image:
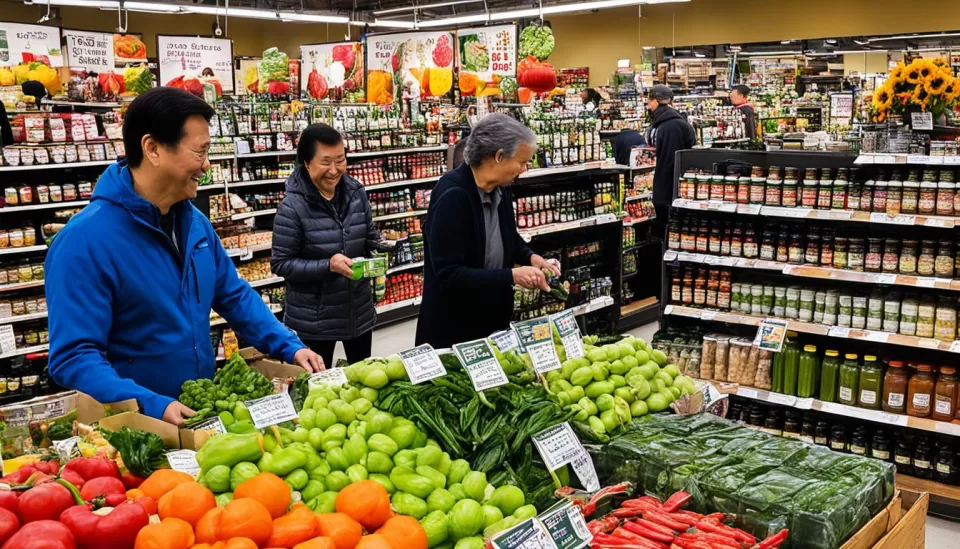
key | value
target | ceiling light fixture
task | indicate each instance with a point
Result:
(386, 24)
(843, 52)
(426, 6)
(913, 37)
(479, 18)
(514, 14)
(103, 4)
(154, 7)
(769, 53)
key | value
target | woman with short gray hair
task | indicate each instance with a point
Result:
(473, 254)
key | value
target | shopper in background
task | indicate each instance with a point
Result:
(739, 97)
(624, 142)
(669, 133)
(132, 278)
(471, 242)
(322, 223)
(591, 99)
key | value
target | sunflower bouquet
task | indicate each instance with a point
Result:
(927, 84)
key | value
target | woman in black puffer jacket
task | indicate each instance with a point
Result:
(322, 223)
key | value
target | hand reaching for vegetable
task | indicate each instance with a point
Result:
(176, 413)
(309, 360)
(551, 265)
(340, 264)
(530, 278)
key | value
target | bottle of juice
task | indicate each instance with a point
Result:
(871, 384)
(807, 374)
(829, 375)
(791, 364)
(777, 373)
(849, 380)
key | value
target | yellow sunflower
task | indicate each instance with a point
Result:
(883, 98)
(912, 73)
(940, 62)
(920, 97)
(926, 69)
(881, 116)
(937, 83)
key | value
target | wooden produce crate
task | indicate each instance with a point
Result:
(900, 525)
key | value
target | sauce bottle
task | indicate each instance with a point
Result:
(945, 394)
(895, 388)
(829, 374)
(920, 392)
(871, 384)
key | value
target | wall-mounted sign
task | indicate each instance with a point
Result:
(413, 64)
(194, 57)
(28, 43)
(129, 47)
(484, 55)
(89, 51)
(330, 71)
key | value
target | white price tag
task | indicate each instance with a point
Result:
(333, 377)
(668, 310)
(880, 217)
(564, 521)
(928, 343)
(536, 337)
(670, 255)
(939, 222)
(711, 259)
(529, 534)
(893, 419)
(804, 403)
(783, 400)
(886, 278)
(686, 256)
(952, 160)
(955, 346)
(727, 261)
(184, 461)
(8, 342)
(838, 331)
(585, 471)
(422, 364)
(505, 340)
(917, 158)
(481, 364)
(247, 255)
(214, 424)
(864, 159)
(935, 160)
(834, 214)
(926, 282)
(558, 446)
(944, 427)
(566, 324)
(708, 315)
(749, 209)
(876, 337)
(66, 448)
(747, 393)
(271, 410)
(921, 121)
(588, 222)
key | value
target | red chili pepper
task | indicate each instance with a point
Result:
(714, 526)
(689, 514)
(719, 517)
(607, 539)
(640, 504)
(595, 527)
(665, 520)
(657, 527)
(676, 501)
(627, 512)
(774, 540)
(656, 535)
(685, 519)
(691, 544)
(637, 539)
(716, 540)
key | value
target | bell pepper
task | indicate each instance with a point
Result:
(241, 427)
(116, 528)
(102, 486)
(72, 477)
(93, 467)
(19, 476)
(42, 534)
(47, 501)
(131, 480)
(9, 500)
(230, 449)
(48, 466)
(282, 461)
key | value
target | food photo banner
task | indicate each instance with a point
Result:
(185, 59)
(28, 43)
(90, 51)
(409, 64)
(129, 48)
(484, 56)
(331, 71)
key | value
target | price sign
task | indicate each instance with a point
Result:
(708, 315)
(570, 335)
(711, 259)
(770, 334)
(66, 448)
(505, 340)
(422, 364)
(877, 337)
(886, 278)
(749, 209)
(926, 282)
(955, 346)
(784, 400)
(184, 461)
(564, 522)
(537, 338)
(804, 403)
(880, 217)
(938, 222)
(668, 310)
(893, 419)
(747, 393)
(922, 120)
(8, 342)
(271, 410)
(928, 343)
(333, 377)
(917, 158)
(529, 534)
(670, 255)
(214, 424)
(952, 160)
(838, 331)
(481, 364)
(558, 446)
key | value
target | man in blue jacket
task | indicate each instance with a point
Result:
(132, 278)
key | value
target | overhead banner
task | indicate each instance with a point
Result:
(89, 51)
(193, 57)
(27, 43)
(409, 64)
(330, 71)
(484, 56)
(129, 48)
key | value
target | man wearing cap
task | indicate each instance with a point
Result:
(669, 133)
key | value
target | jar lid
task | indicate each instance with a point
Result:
(810, 348)
(928, 184)
(832, 353)
(850, 356)
(949, 370)
(869, 358)
(924, 367)
(896, 364)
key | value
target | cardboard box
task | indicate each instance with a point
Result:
(89, 411)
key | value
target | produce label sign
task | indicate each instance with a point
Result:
(331, 377)
(90, 51)
(484, 55)
(559, 446)
(184, 461)
(566, 324)
(129, 47)
(189, 58)
(271, 410)
(27, 43)
(536, 337)
(566, 526)
(481, 364)
(505, 340)
(413, 65)
(422, 364)
(330, 71)
(770, 334)
(214, 424)
(529, 534)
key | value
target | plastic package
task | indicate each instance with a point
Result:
(764, 375)
(720, 364)
(707, 358)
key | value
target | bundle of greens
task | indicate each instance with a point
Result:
(536, 40)
(274, 67)
(235, 382)
(142, 452)
(492, 430)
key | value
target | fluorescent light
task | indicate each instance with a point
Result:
(946, 48)
(104, 4)
(514, 14)
(313, 17)
(449, 21)
(266, 14)
(387, 24)
(843, 52)
(770, 53)
(699, 55)
(426, 6)
(153, 7)
(913, 37)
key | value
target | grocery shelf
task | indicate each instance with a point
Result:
(216, 157)
(405, 267)
(594, 304)
(21, 286)
(265, 154)
(400, 215)
(939, 492)
(638, 197)
(94, 105)
(399, 305)
(47, 206)
(368, 154)
(529, 234)
(266, 281)
(812, 271)
(404, 183)
(240, 252)
(211, 187)
(940, 221)
(256, 213)
(63, 166)
(255, 183)
(638, 306)
(922, 159)
(23, 318)
(23, 249)
(26, 351)
(816, 329)
(540, 172)
(219, 320)
(638, 221)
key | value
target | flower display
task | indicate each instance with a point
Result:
(927, 84)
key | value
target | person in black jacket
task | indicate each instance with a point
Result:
(322, 223)
(471, 244)
(624, 143)
(669, 133)
(6, 132)
(740, 98)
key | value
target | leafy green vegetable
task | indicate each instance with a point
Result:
(537, 41)
(274, 67)
(142, 452)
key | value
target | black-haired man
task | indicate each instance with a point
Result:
(132, 278)
(669, 133)
(739, 96)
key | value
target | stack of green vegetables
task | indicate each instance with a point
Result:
(224, 395)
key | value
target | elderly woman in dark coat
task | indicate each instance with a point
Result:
(473, 254)
(322, 223)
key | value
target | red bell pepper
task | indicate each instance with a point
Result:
(9, 500)
(42, 534)
(117, 529)
(131, 481)
(19, 476)
(93, 467)
(9, 524)
(72, 477)
(48, 466)
(102, 486)
(676, 501)
(47, 501)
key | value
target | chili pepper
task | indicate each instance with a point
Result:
(716, 540)
(643, 501)
(688, 514)
(665, 520)
(603, 525)
(118, 529)
(636, 538)
(774, 540)
(685, 519)
(590, 507)
(719, 517)
(713, 526)
(626, 512)
(676, 501)
(607, 539)
(654, 534)
(93, 467)
(657, 527)
(692, 544)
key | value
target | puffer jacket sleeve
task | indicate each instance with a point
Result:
(285, 258)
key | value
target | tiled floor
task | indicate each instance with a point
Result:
(941, 534)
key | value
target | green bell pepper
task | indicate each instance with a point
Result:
(229, 449)
(241, 472)
(218, 479)
(282, 461)
(297, 479)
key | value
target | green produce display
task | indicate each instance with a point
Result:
(536, 40)
(820, 495)
(231, 385)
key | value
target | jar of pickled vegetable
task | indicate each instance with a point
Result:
(829, 375)
(891, 255)
(859, 442)
(926, 261)
(838, 438)
(880, 196)
(908, 257)
(849, 379)
(880, 447)
(757, 190)
(920, 391)
(703, 187)
(927, 202)
(808, 193)
(926, 317)
(873, 263)
(807, 372)
(945, 322)
(894, 197)
(871, 384)
(717, 184)
(825, 190)
(773, 192)
(945, 394)
(943, 265)
(866, 195)
(789, 196)
(911, 196)
(945, 197)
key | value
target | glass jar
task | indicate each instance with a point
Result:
(808, 193)
(808, 430)
(731, 183)
(926, 261)
(860, 441)
(757, 190)
(791, 424)
(945, 394)
(894, 197)
(926, 318)
(903, 454)
(703, 186)
(788, 197)
(945, 198)
(838, 438)
(795, 250)
(943, 468)
(848, 380)
(825, 190)
(808, 370)
(891, 255)
(944, 263)
(743, 190)
(819, 305)
(927, 203)
(829, 376)
(858, 319)
(812, 253)
(807, 305)
(891, 312)
(910, 197)
(908, 257)
(880, 447)
(870, 384)
(840, 253)
(909, 309)
(945, 321)
(879, 197)
(875, 311)
(716, 186)
(923, 457)
(792, 310)
(866, 195)
(826, 249)
(821, 435)
(920, 391)
(895, 388)
(772, 197)
(839, 194)
(873, 262)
